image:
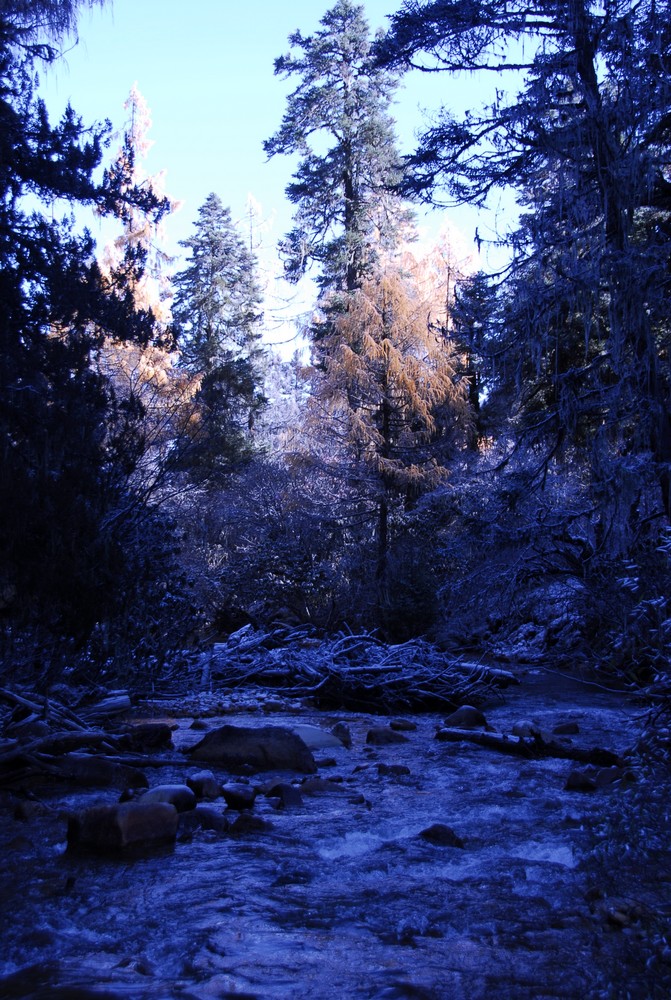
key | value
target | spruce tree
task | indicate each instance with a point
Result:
(217, 326)
(337, 121)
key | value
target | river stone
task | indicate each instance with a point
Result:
(315, 738)
(395, 770)
(285, 794)
(526, 729)
(239, 796)
(127, 824)
(566, 729)
(580, 781)
(209, 818)
(403, 725)
(267, 748)
(342, 731)
(179, 796)
(204, 785)
(442, 835)
(248, 823)
(148, 736)
(381, 736)
(466, 717)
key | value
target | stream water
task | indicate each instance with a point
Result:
(341, 897)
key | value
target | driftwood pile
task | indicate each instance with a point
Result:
(358, 672)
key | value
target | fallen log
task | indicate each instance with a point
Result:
(531, 747)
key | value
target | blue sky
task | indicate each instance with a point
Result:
(206, 72)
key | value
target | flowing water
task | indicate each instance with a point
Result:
(341, 897)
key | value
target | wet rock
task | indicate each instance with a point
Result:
(180, 796)
(204, 785)
(312, 786)
(403, 725)
(607, 775)
(209, 818)
(342, 731)
(147, 736)
(317, 739)
(580, 781)
(441, 835)
(466, 717)
(526, 729)
(395, 770)
(267, 748)
(247, 823)
(381, 736)
(239, 797)
(284, 795)
(127, 824)
(566, 729)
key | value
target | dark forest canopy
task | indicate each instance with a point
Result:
(461, 455)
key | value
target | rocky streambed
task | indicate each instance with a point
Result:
(413, 867)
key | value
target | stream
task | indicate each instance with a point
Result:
(340, 897)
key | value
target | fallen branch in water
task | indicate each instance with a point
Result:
(530, 746)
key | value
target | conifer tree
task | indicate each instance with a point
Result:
(387, 396)
(216, 321)
(337, 121)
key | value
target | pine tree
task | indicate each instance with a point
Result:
(216, 321)
(337, 121)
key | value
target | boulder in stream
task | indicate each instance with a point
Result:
(381, 736)
(467, 717)
(179, 796)
(268, 748)
(125, 825)
(441, 835)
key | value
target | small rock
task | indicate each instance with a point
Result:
(179, 796)
(210, 819)
(383, 736)
(607, 775)
(566, 729)
(466, 717)
(403, 725)
(239, 797)
(342, 731)
(311, 786)
(317, 739)
(442, 835)
(204, 785)
(286, 794)
(128, 824)
(248, 823)
(580, 781)
(396, 770)
(526, 729)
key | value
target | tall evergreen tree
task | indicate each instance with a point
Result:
(337, 121)
(216, 316)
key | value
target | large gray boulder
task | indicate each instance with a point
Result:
(268, 748)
